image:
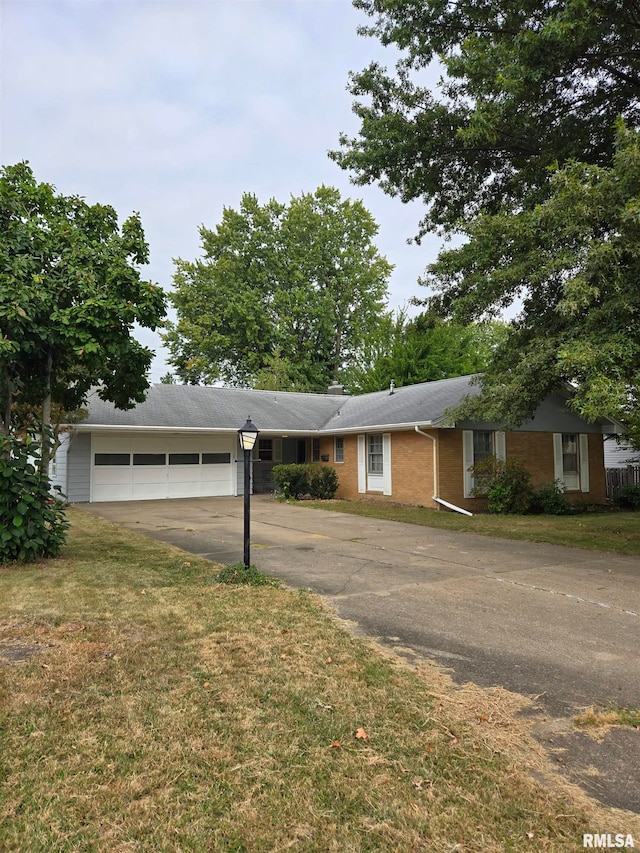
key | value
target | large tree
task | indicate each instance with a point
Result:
(574, 259)
(527, 89)
(70, 294)
(421, 349)
(283, 296)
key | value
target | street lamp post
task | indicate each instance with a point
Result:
(247, 436)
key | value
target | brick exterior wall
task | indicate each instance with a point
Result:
(412, 467)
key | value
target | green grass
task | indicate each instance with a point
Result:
(617, 532)
(596, 718)
(144, 707)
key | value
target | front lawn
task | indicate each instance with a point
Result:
(145, 708)
(614, 531)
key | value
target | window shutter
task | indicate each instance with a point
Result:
(467, 461)
(386, 463)
(362, 465)
(501, 446)
(584, 462)
(277, 450)
(558, 470)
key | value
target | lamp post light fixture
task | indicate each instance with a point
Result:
(247, 435)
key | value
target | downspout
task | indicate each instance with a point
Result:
(435, 460)
(435, 476)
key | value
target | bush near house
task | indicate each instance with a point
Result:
(32, 520)
(508, 489)
(506, 485)
(296, 481)
(628, 497)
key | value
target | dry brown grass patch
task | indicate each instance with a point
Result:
(164, 712)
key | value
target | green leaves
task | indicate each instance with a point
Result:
(70, 291)
(574, 260)
(284, 295)
(32, 521)
(522, 148)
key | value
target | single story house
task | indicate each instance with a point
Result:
(393, 445)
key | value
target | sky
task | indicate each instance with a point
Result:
(175, 108)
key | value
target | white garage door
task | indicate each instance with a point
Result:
(149, 467)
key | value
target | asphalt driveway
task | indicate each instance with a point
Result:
(558, 625)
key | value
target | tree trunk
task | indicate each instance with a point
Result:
(45, 439)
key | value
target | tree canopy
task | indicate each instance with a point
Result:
(420, 349)
(283, 296)
(536, 104)
(70, 294)
(574, 260)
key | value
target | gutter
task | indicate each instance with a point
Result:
(435, 476)
(435, 459)
(453, 506)
(85, 427)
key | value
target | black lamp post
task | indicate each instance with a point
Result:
(247, 436)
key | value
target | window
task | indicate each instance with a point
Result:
(112, 459)
(268, 450)
(338, 449)
(482, 445)
(374, 463)
(315, 450)
(149, 459)
(216, 458)
(374, 454)
(571, 460)
(478, 445)
(569, 453)
(184, 459)
(265, 449)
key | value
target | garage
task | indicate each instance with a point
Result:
(147, 467)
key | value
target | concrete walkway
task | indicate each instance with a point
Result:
(559, 625)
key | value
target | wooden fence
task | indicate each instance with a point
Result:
(616, 478)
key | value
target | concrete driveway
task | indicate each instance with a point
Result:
(558, 625)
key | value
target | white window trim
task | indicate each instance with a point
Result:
(382, 482)
(362, 464)
(583, 461)
(468, 458)
(335, 449)
(386, 463)
(276, 450)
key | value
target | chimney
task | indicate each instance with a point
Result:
(336, 389)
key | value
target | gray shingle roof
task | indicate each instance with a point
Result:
(412, 404)
(205, 407)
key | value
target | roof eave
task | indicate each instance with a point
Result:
(377, 428)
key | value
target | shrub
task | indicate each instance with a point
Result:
(628, 497)
(292, 481)
(506, 485)
(323, 482)
(296, 481)
(550, 499)
(32, 520)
